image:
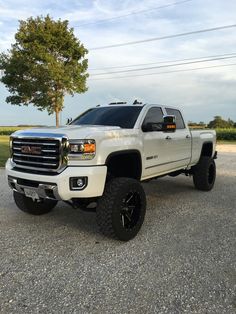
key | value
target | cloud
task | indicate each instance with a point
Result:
(202, 94)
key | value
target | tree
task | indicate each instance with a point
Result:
(231, 123)
(45, 63)
(218, 122)
(201, 123)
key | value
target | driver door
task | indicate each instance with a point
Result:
(155, 154)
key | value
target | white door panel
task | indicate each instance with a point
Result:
(155, 157)
(179, 147)
(162, 154)
(165, 151)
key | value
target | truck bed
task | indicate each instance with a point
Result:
(198, 138)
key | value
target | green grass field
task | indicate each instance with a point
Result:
(226, 134)
(4, 150)
(7, 130)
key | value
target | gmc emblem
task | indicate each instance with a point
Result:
(32, 150)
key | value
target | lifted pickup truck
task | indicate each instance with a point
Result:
(102, 157)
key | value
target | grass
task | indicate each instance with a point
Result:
(4, 150)
(7, 130)
(220, 142)
(226, 134)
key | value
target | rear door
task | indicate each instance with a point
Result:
(179, 142)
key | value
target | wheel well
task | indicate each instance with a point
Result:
(207, 149)
(124, 164)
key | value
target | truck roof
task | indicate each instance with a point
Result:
(139, 104)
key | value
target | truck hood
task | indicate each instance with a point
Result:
(71, 131)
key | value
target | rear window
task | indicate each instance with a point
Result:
(179, 119)
(124, 117)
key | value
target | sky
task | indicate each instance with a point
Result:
(200, 93)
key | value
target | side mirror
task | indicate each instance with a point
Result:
(152, 127)
(169, 124)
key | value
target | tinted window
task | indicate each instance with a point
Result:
(154, 115)
(124, 117)
(179, 119)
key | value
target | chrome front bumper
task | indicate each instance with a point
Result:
(43, 190)
(58, 186)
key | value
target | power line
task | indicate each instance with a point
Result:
(160, 62)
(132, 13)
(165, 37)
(160, 73)
(163, 66)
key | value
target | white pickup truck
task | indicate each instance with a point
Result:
(101, 158)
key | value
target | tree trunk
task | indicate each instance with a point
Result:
(57, 112)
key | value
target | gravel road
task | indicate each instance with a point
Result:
(182, 261)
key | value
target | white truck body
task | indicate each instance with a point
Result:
(160, 152)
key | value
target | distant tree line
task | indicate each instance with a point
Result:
(217, 123)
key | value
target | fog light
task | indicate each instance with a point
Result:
(78, 183)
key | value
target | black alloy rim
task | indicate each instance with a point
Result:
(131, 210)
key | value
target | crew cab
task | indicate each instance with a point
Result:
(100, 159)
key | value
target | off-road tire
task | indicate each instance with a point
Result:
(33, 207)
(111, 218)
(204, 174)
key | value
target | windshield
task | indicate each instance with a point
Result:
(124, 117)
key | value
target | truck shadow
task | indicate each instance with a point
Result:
(165, 196)
(169, 186)
(158, 191)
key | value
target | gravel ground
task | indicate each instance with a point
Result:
(226, 148)
(182, 261)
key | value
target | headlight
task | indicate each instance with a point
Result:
(82, 149)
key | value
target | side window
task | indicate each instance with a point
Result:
(179, 119)
(154, 115)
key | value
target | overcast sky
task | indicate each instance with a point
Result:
(200, 93)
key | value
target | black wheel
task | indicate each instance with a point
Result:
(121, 209)
(204, 174)
(34, 207)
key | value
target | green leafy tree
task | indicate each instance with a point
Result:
(218, 122)
(231, 123)
(201, 123)
(45, 63)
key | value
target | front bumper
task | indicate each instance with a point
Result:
(58, 186)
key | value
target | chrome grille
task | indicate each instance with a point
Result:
(43, 154)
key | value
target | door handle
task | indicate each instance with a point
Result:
(168, 138)
(188, 136)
